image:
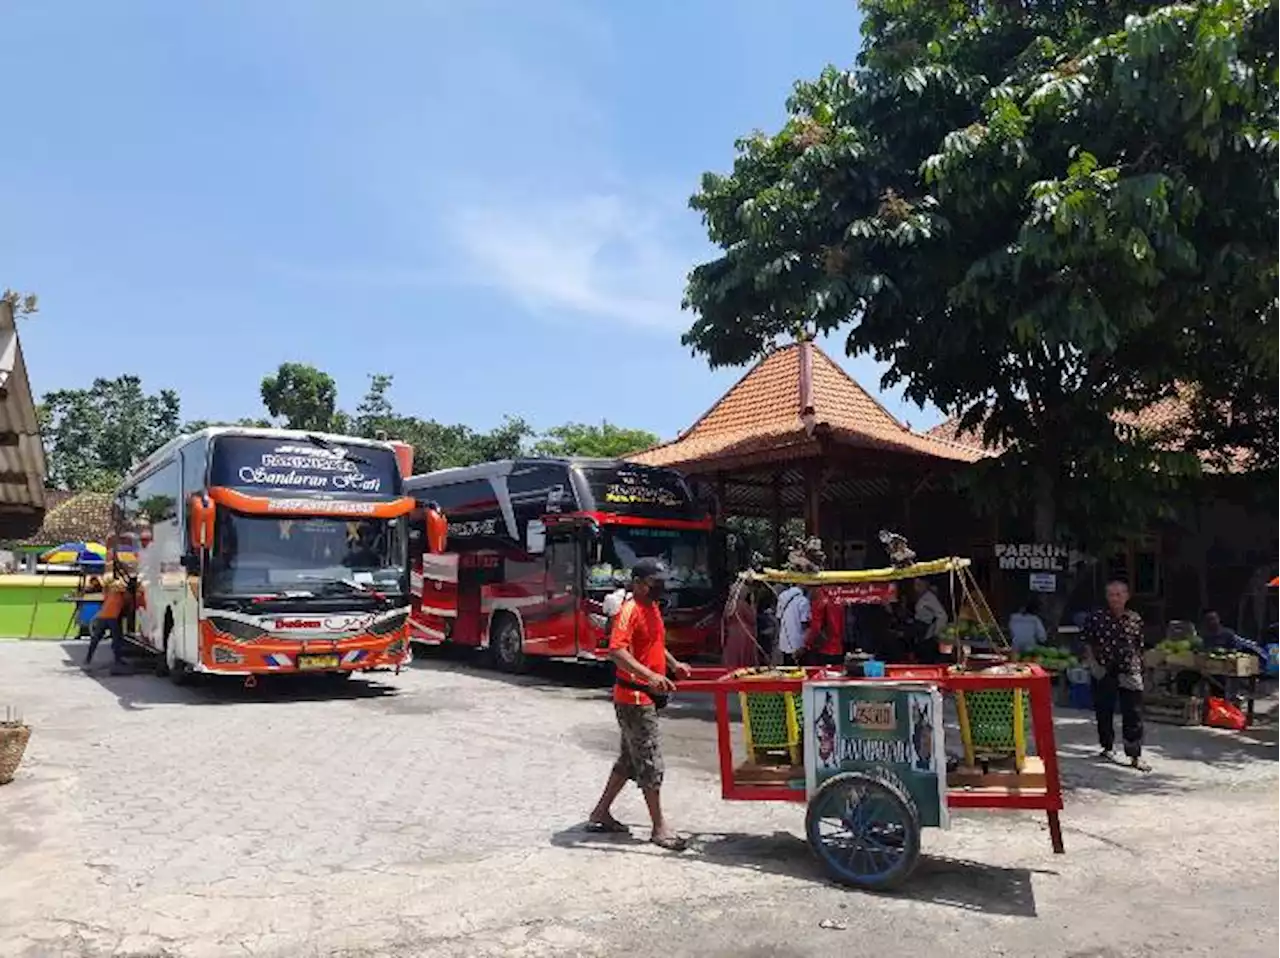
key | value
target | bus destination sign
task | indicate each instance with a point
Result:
(640, 491)
(264, 464)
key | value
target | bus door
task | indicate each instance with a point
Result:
(563, 554)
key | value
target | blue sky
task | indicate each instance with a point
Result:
(485, 199)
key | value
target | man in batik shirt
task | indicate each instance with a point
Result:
(1113, 645)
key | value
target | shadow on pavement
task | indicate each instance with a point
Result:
(139, 687)
(946, 882)
(543, 674)
(1082, 769)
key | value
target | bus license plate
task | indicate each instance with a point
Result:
(307, 662)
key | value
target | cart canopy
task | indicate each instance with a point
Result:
(892, 574)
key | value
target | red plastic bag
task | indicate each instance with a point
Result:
(1222, 714)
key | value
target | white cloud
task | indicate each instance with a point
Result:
(598, 257)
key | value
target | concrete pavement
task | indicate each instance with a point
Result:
(437, 813)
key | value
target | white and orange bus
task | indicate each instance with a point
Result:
(269, 551)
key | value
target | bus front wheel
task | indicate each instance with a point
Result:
(179, 671)
(506, 645)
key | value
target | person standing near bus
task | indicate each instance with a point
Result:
(109, 619)
(638, 650)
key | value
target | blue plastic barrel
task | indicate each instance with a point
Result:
(1273, 652)
(86, 612)
(1080, 695)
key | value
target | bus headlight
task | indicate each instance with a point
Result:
(225, 656)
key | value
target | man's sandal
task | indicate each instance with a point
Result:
(672, 843)
(610, 827)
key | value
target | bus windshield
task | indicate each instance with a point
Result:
(685, 553)
(322, 556)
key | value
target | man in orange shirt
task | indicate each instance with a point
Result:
(109, 618)
(638, 650)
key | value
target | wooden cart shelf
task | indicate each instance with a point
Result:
(966, 787)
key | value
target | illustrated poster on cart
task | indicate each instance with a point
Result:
(868, 726)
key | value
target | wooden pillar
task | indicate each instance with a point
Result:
(813, 482)
(722, 489)
(777, 518)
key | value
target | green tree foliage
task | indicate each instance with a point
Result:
(94, 436)
(435, 445)
(249, 422)
(22, 304)
(302, 396)
(605, 441)
(1044, 217)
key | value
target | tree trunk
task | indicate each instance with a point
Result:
(1044, 526)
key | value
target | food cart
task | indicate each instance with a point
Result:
(867, 755)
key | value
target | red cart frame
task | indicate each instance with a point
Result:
(1035, 681)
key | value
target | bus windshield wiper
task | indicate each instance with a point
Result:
(327, 584)
(324, 443)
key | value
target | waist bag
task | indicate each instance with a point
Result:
(660, 699)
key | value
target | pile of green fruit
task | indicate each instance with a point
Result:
(1180, 646)
(1049, 657)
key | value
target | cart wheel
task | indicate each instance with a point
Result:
(865, 829)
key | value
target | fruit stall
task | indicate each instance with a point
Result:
(1188, 684)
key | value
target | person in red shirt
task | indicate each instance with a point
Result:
(638, 650)
(824, 642)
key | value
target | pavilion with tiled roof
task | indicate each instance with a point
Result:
(797, 436)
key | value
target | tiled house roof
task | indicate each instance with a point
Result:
(1168, 417)
(762, 416)
(72, 517)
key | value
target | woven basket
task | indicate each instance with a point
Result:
(13, 742)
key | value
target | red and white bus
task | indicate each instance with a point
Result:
(535, 546)
(267, 550)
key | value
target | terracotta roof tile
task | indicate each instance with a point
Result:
(760, 417)
(1169, 416)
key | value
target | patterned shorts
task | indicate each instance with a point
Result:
(640, 755)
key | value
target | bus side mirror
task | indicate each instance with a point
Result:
(199, 523)
(437, 530)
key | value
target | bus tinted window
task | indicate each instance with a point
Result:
(262, 464)
(640, 491)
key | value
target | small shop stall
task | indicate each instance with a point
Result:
(863, 747)
(1189, 685)
(89, 561)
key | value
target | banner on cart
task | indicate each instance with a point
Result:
(896, 727)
